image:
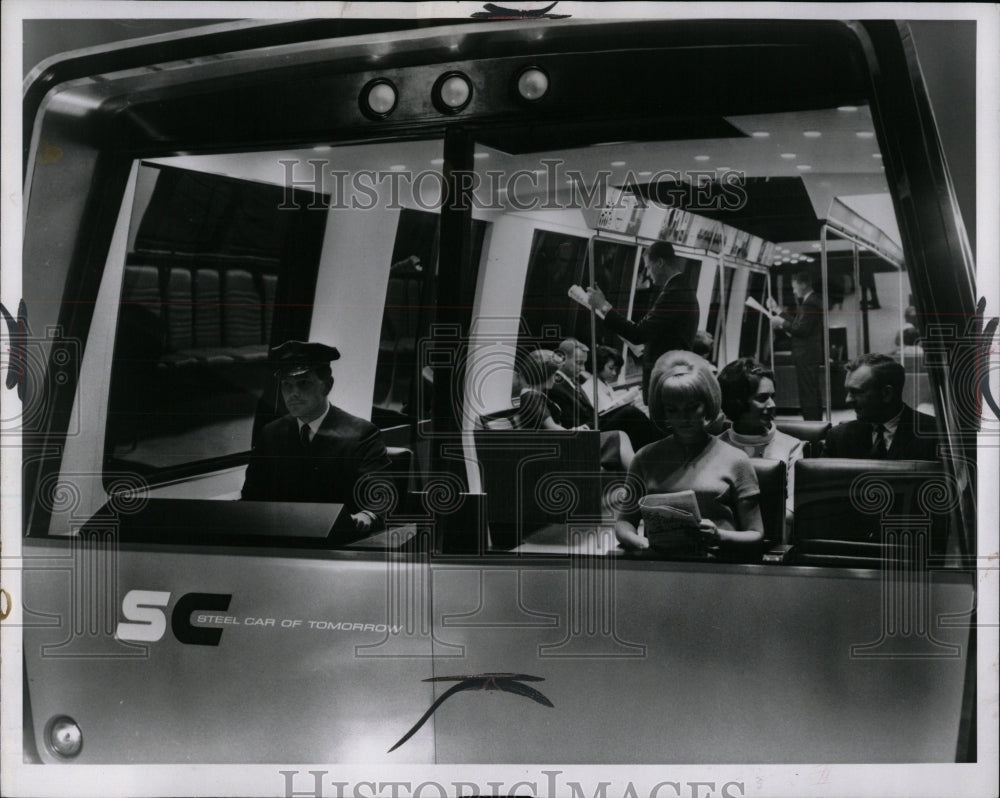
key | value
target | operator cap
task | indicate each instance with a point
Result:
(297, 357)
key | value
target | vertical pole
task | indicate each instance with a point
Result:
(720, 339)
(902, 318)
(859, 328)
(770, 327)
(865, 333)
(636, 263)
(593, 335)
(825, 272)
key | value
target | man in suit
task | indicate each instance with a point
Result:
(318, 452)
(805, 327)
(886, 428)
(575, 406)
(669, 324)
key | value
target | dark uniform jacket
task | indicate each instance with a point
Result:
(854, 438)
(670, 324)
(343, 449)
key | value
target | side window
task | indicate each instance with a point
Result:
(754, 336)
(404, 381)
(399, 394)
(720, 300)
(614, 272)
(556, 262)
(206, 289)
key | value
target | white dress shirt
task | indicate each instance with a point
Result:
(313, 425)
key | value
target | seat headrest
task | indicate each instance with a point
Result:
(805, 430)
(767, 469)
(820, 469)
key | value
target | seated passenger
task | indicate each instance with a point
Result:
(575, 402)
(609, 365)
(537, 371)
(704, 343)
(748, 401)
(574, 409)
(886, 428)
(516, 386)
(318, 452)
(684, 394)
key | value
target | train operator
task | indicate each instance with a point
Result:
(318, 452)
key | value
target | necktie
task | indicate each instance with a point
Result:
(305, 435)
(878, 447)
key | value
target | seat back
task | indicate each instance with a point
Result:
(533, 479)
(269, 288)
(242, 323)
(866, 513)
(771, 479)
(141, 286)
(207, 314)
(400, 470)
(179, 309)
(812, 432)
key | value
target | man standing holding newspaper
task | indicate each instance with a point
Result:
(669, 324)
(805, 327)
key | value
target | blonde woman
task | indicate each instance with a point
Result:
(684, 396)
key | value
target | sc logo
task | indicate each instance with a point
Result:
(149, 622)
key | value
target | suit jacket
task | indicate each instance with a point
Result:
(670, 324)
(805, 327)
(854, 439)
(574, 409)
(344, 449)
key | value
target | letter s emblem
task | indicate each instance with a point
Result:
(149, 623)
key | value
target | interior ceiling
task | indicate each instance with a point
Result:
(791, 164)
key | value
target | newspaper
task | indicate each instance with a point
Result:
(671, 520)
(577, 294)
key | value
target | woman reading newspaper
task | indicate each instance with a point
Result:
(698, 494)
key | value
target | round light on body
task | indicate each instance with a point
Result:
(65, 737)
(532, 84)
(455, 92)
(378, 99)
(382, 98)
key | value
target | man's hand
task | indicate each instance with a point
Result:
(773, 306)
(597, 300)
(363, 521)
(777, 322)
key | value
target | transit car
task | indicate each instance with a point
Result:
(425, 195)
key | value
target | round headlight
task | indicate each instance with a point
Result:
(452, 92)
(532, 84)
(378, 98)
(65, 738)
